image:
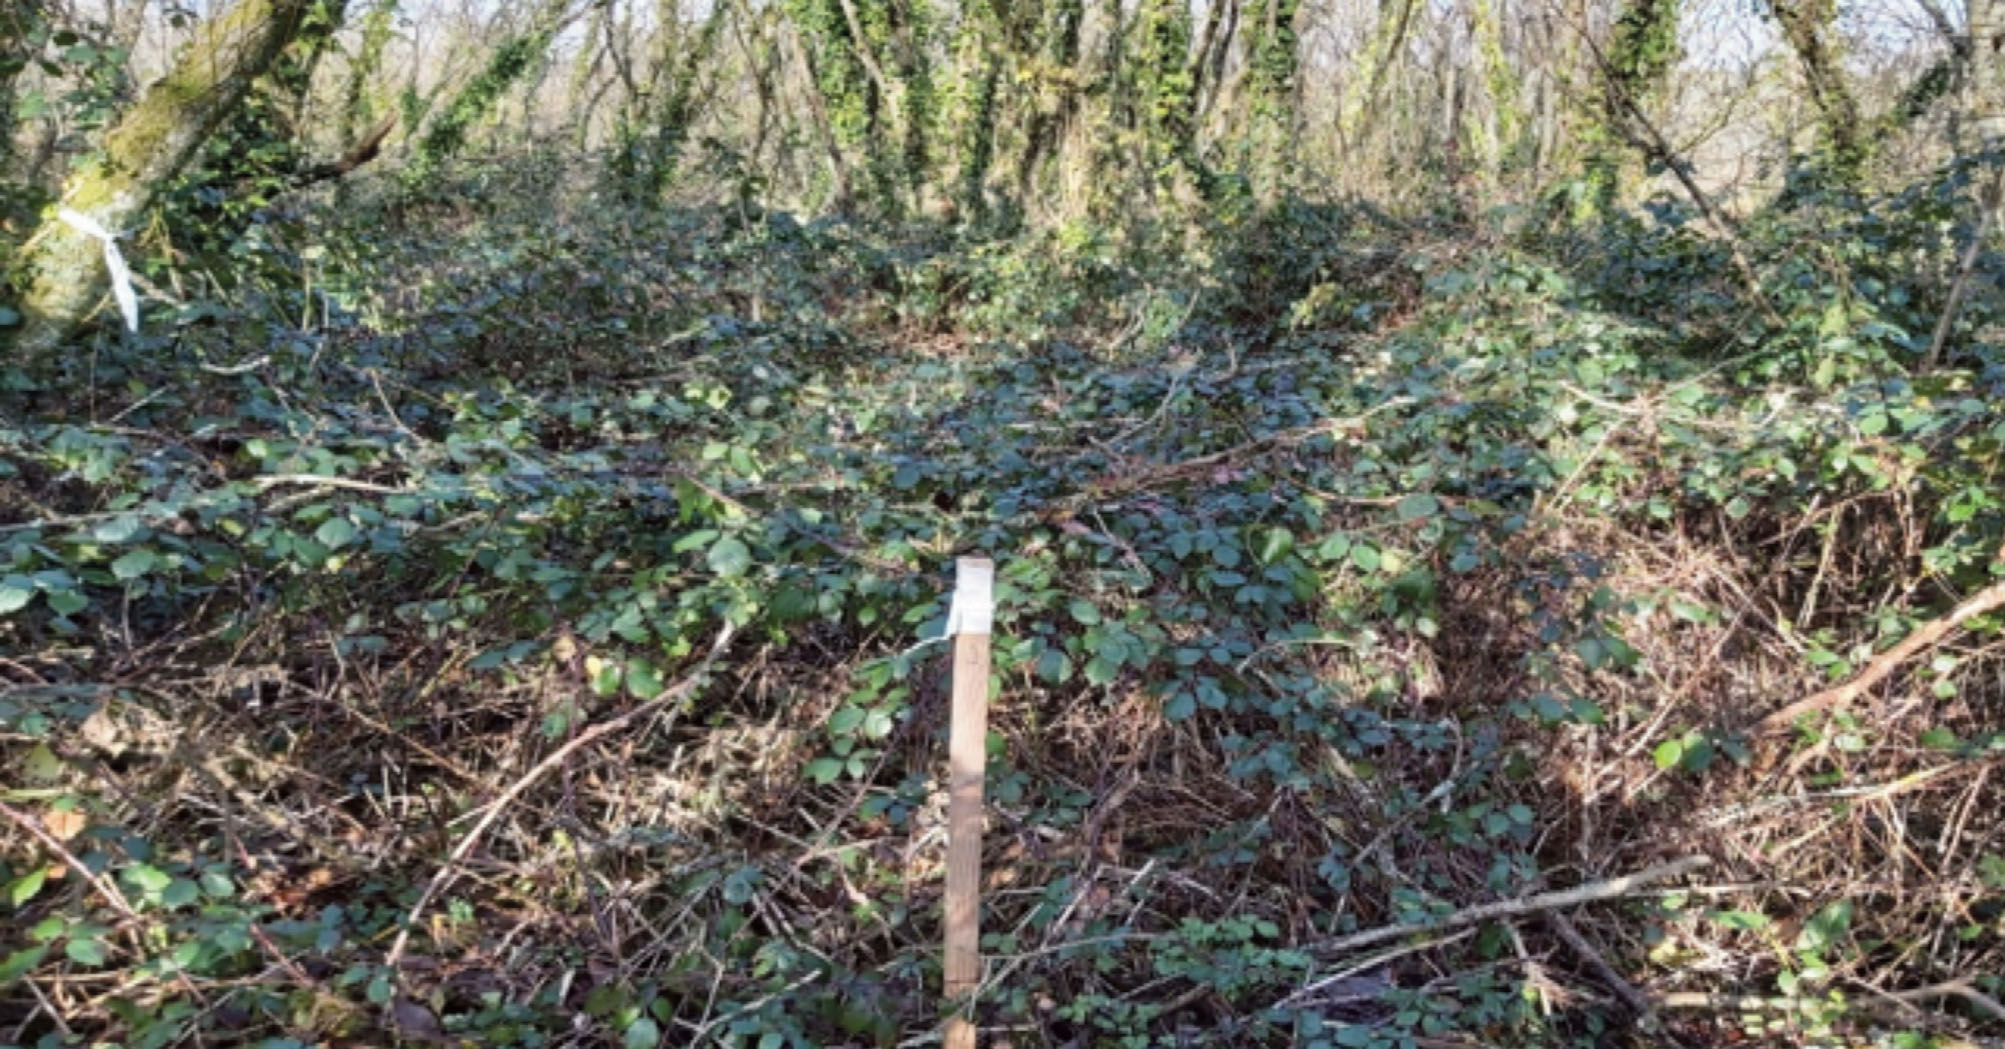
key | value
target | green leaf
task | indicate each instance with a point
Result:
(134, 564)
(85, 951)
(180, 892)
(643, 680)
(335, 533)
(1668, 753)
(118, 529)
(1940, 738)
(1826, 929)
(1085, 612)
(1275, 544)
(729, 557)
(1100, 670)
(1180, 705)
(217, 885)
(42, 765)
(68, 602)
(24, 888)
(21, 963)
(1745, 921)
(15, 593)
(1417, 506)
(1366, 557)
(824, 770)
(845, 719)
(641, 1034)
(146, 878)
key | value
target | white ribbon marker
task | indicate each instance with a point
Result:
(973, 610)
(114, 264)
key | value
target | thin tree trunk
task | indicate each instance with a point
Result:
(149, 146)
(824, 130)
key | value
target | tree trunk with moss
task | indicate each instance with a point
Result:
(62, 268)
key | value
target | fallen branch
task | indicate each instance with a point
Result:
(1638, 1002)
(494, 809)
(1961, 989)
(1926, 636)
(1958, 988)
(1609, 889)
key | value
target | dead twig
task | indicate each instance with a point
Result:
(103, 885)
(1924, 637)
(1608, 889)
(1636, 1000)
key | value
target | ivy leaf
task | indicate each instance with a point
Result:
(845, 719)
(1417, 506)
(642, 1034)
(147, 878)
(1275, 544)
(729, 557)
(335, 533)
(133, 565)
(15, 593)
(68, 602)
(643, 680)
(85, 951)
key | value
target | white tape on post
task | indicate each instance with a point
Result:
(114, 264)
(973, 610)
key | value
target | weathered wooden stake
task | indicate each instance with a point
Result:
(967, 752)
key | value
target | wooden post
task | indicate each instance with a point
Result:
(967, 752)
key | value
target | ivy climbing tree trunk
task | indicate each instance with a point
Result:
(1360, 111)
(18, 22)
(63, 268)
(447, 135)
(1640, 55)
(358, 107)
(1807, 26)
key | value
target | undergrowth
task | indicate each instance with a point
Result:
(1351, 572)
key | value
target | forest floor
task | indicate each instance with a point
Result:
(496, 627)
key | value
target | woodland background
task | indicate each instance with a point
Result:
(1497, 507)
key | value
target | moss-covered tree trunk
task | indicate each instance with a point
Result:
(62, 268)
